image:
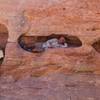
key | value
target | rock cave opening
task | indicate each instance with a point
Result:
(26, 42)
(3, 41)
(96, 45)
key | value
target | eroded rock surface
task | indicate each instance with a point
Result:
(56, 74)
(51, 87)
(42, 18)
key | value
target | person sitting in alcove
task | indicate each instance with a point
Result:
(51, 43)
(55, 43)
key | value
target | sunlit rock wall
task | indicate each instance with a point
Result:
(79, 18)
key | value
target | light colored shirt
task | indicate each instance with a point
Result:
(1, 54)
(53, 43)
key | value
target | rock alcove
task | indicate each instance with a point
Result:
(96, 45)
(29, 41)
(3, 41)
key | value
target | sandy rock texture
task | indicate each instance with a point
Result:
(51, 87)
(80, 18)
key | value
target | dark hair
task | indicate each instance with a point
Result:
(60, 36)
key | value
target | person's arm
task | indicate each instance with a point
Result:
(46, 45)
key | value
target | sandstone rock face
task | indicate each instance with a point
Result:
(80, 18)
(51, 87)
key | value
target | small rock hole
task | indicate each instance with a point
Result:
(96, 45)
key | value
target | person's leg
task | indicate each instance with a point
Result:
(38, 48)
